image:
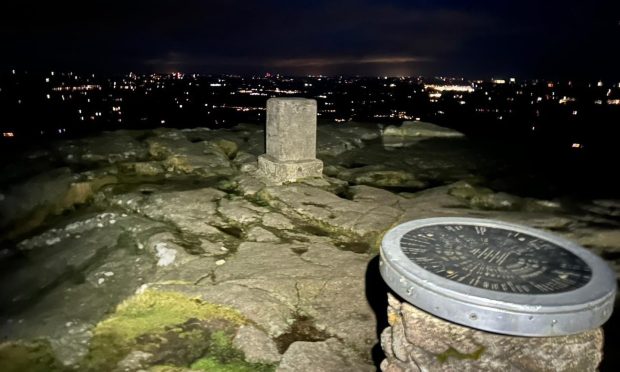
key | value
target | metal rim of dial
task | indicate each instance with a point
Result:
(535, 315)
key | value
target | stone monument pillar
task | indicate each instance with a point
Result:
(290, 140)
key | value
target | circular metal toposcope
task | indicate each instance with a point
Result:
(497, 276)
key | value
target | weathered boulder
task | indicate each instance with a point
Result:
(178, 154)
(144, 168)
(496, 201)
(374, 195)
(44, 189)
(109, 147)
(230, 148)
(333, 141)
(381, 176)
(25, 206)
(484, 198)
(420, 129)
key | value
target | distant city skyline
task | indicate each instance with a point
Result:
(59, 103)
(474, 39)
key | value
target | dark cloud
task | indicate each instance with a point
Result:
(409, 37)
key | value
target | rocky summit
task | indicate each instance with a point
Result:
(164, 250)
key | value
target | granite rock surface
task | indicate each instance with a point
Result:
(161, 241)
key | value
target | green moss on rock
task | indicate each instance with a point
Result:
(484, 198)
(170, 325)
(385, 178)
(264, 199)
(223, 357)
(467, 191)
(227, 185)
(229, 148)
(35, 356)
(153, 310)
(211, 364)
(453, 353)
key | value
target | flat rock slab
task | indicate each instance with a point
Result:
(272, 283)
(360, 218)
(324, 356)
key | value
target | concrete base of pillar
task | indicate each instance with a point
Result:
(289, 171)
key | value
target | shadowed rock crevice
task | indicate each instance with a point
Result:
(302, 329)
(376, 295)
(314, 230)
(232, 231)
(345, 194)
(299, 250)
(355, 247)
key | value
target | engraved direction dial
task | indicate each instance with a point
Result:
(495, 259)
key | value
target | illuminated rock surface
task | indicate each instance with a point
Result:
(420, 129)
(167, 244)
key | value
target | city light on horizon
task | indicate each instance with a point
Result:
(110, 101)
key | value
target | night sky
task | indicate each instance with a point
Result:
(474, 39)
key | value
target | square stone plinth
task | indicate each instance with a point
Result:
(289, 171)
(291, 129)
